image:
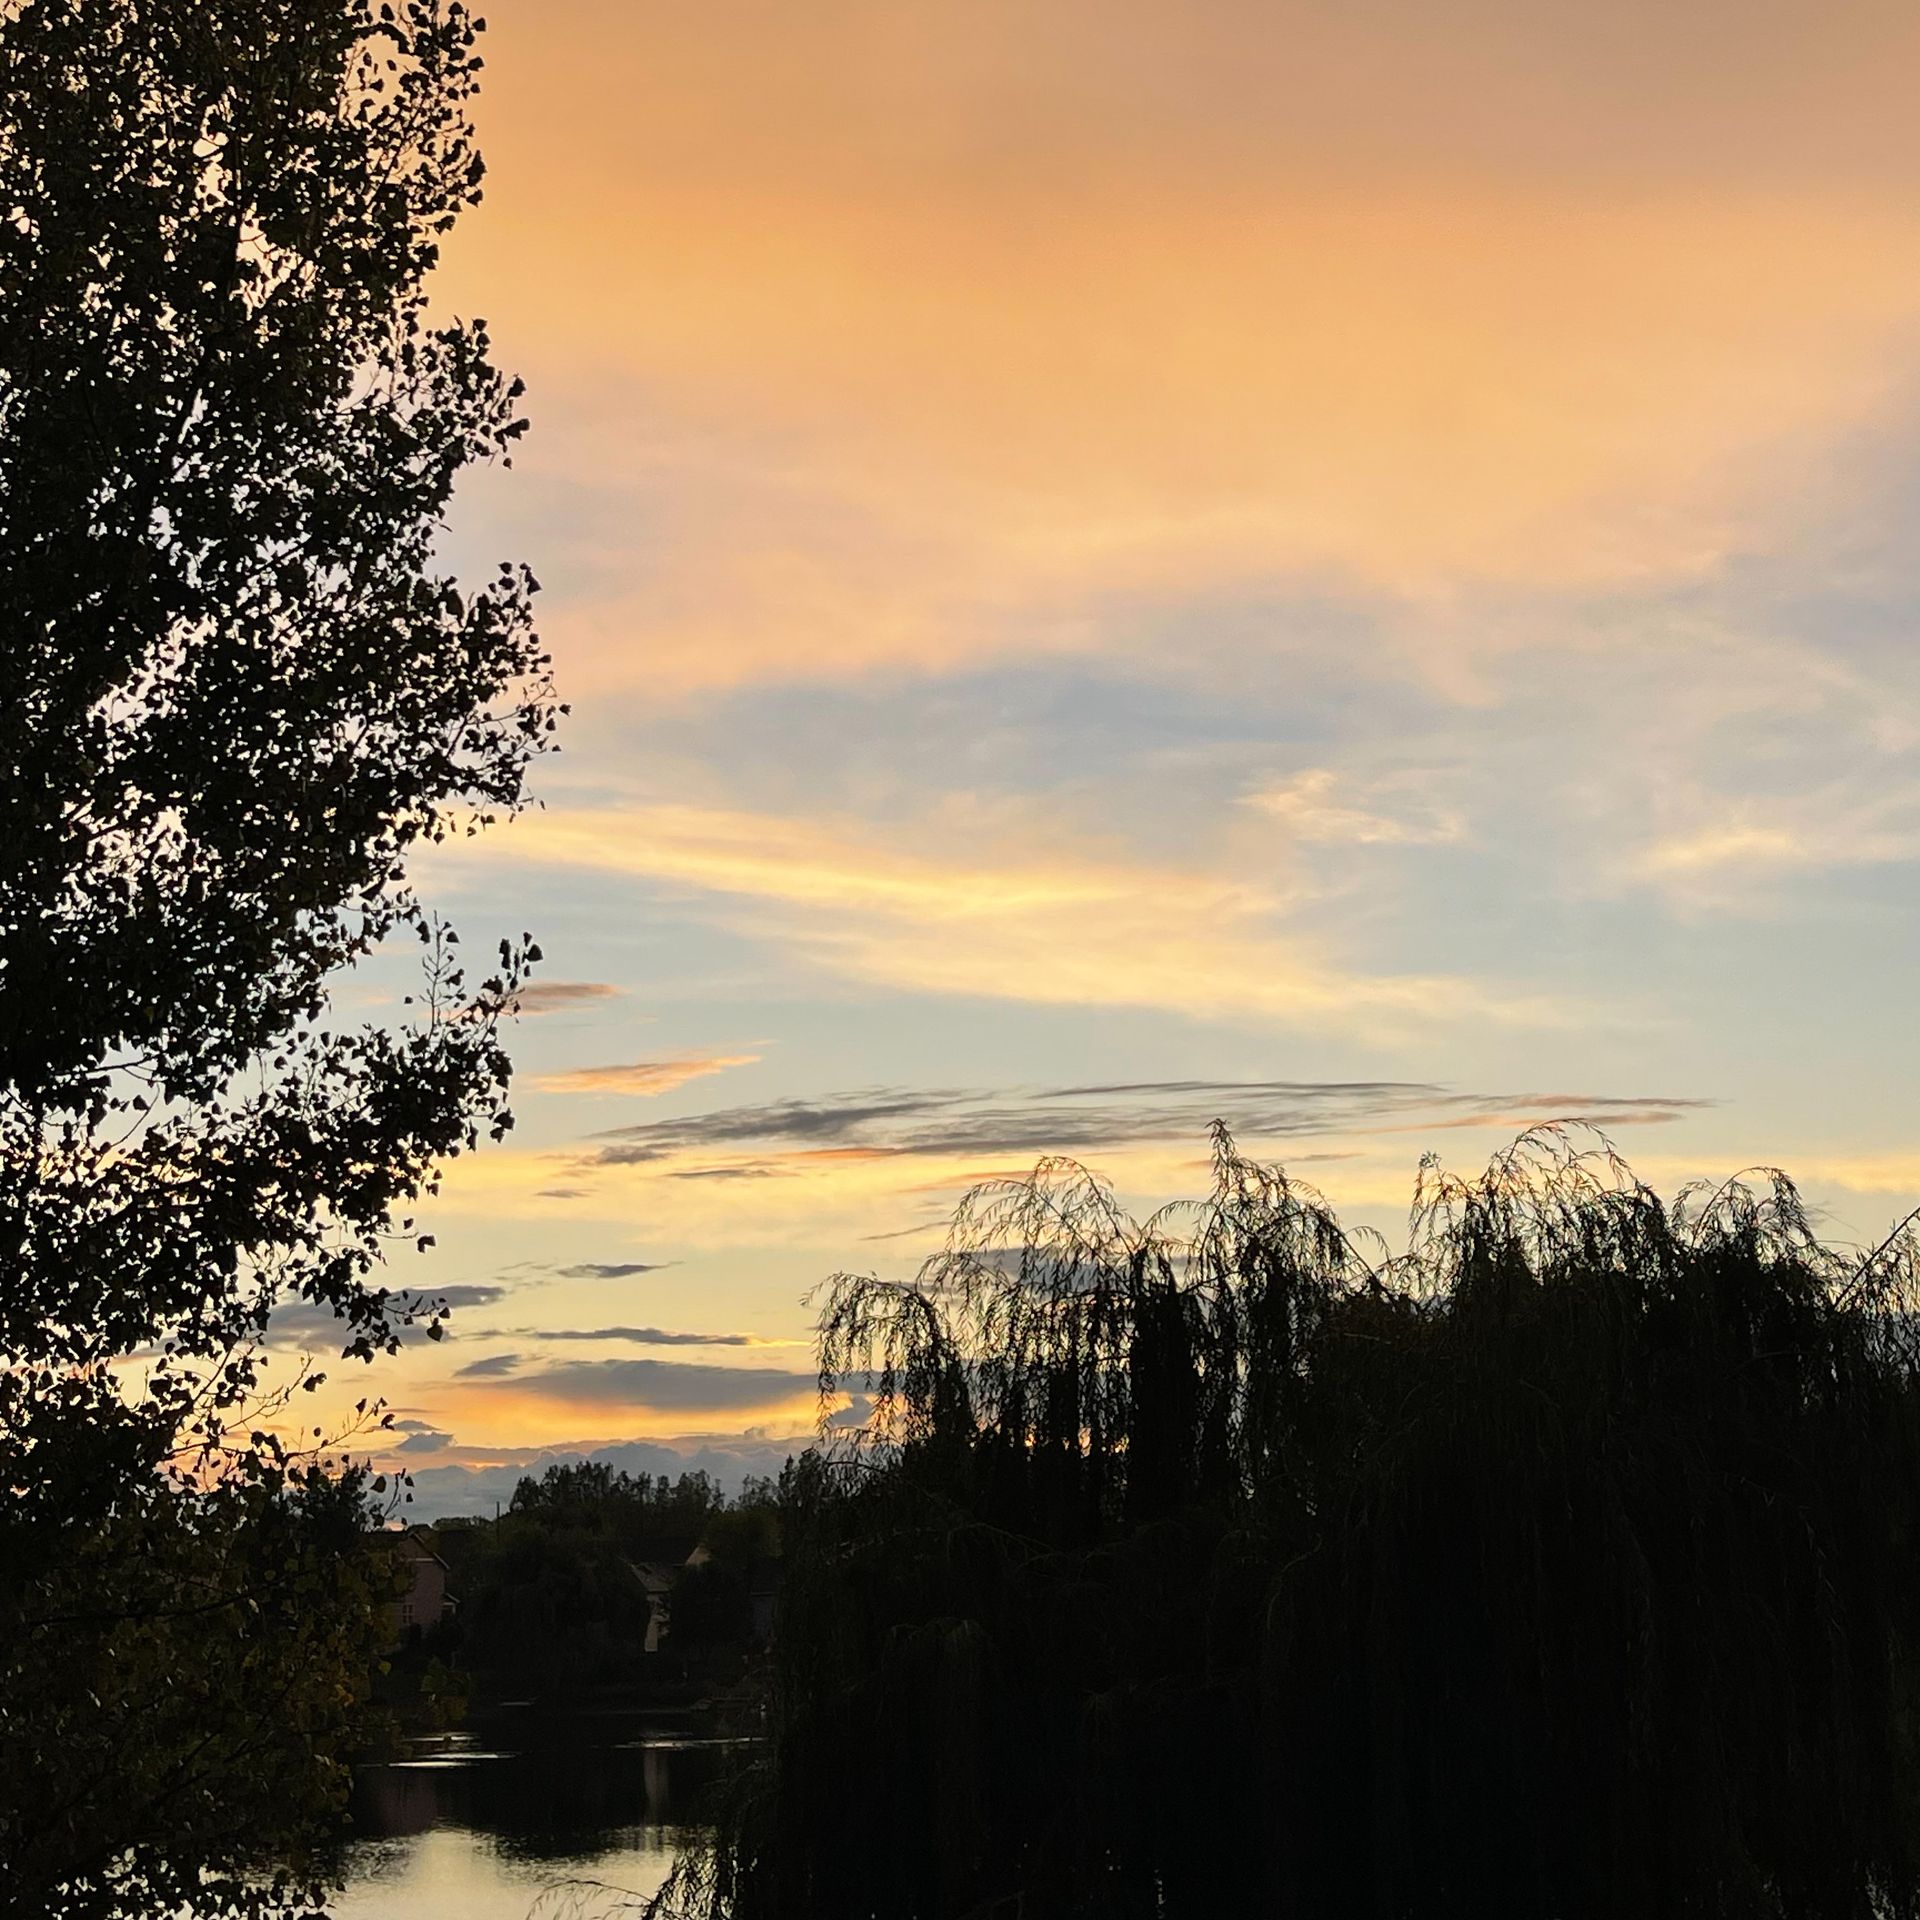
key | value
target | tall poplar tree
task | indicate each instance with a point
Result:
(239, 689)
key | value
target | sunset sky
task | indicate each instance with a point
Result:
(1349, 568)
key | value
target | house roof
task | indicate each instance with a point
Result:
(416, 1542)
(657, 1576)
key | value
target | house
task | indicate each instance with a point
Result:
(656, 1582)
(423, 1601)
(658, 1576)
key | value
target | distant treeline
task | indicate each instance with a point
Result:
(1567, 1565)
(553, 1594)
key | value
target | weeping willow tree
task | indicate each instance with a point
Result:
(1563, 1565)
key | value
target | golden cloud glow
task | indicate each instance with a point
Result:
(1055, 929)
(1727, 846)
(1718, 853)
(643, 1077)
(526, 1416)
(1312, 808)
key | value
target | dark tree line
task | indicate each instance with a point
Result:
(637, 1510)
(1568, 1565)
(239, 691)
(551, 1594)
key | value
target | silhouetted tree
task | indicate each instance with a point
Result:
(238, 691)
(552, 1592)
(1563, 1566)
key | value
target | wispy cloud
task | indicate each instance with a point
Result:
(306, 1324)
(493, 1367)
(1710, 849)
(313, 1325)
(463, 1295)
(1726, 849)
(1316, 807)
(1076, 1119)
(643, 1077)
(1044, 927)
(565, 996)
(655, 1337)
(612, 1269)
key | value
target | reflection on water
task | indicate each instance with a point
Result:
(510, 1815)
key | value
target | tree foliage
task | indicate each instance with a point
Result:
(551, 1593)
(631, 1508)
(1560, 1566)
(240, 691)
(177, 1697)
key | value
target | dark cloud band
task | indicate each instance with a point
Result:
(1082, 1119)
(664, 1386)
(648, 1336)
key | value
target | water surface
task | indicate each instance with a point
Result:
(526, 1813)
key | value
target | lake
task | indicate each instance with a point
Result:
(526, 1813)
